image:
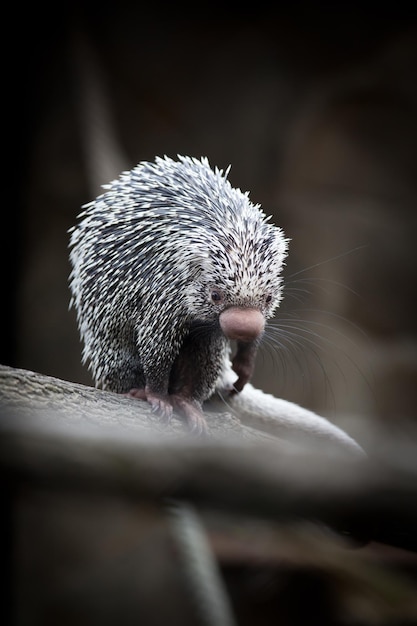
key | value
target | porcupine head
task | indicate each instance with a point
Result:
(169, 265)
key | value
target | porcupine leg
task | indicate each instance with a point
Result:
(182, 398)
(194, 375)
(118, 361)
(126, 376)
(183, 401)
(184, 392)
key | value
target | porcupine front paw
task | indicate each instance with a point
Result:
(163, 406)
(160, 403)
(192, 413)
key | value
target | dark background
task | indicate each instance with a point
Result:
(315, 107)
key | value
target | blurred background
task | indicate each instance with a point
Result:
(315, 108)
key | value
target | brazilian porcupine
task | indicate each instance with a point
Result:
(169, 264)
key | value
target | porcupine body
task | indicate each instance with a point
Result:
(169, 264)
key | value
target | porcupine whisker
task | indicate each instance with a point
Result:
(203, 326)
(281, 326)
(354, 364)
(297, 290)
(316, 280)
(325, 261)
(202, 330)
(269, 346)
(295, 338)
(294, 291)
(337, 316)
(282, 357)
(280, 323)
(299, 343)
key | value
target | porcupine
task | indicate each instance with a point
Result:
(169, 264)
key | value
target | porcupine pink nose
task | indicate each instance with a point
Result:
(242, 324)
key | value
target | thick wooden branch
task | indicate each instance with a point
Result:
(57, 401)
(90, 478)
(63, 433)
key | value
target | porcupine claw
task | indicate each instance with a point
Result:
(139, 394)
(160, 404)
(192, 413)
(163, 406)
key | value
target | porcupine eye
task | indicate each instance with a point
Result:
(216, 296)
